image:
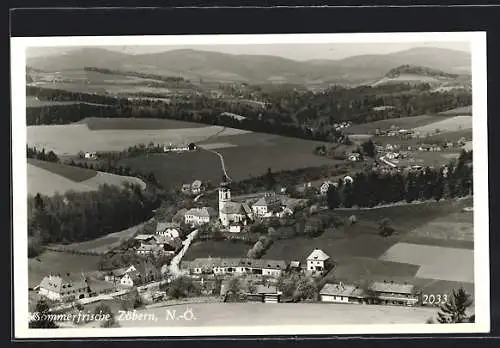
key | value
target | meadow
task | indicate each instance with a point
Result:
(268, 314)
(402, 122)
(103, 123)
(451, 124)
(464, 110)
(32, 102)
(48, 178)
(245, 156)
(52, 262)
(72, 138)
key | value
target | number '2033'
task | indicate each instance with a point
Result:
(434, 299)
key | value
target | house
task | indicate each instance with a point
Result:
(196, 187)
(186, 188)
(391, 155)
(271, 268)
(269, 294)
(393, 293)
(90, 155)
(199, 216)
(235, 228)
(117, 274)
(389, 147)
(143, 273)
(295, 265)
(149, 249)
(353, 156)
(342, 293)
(64, 288)
(168, 229)
(145, 238)
(325, 186)
(317, 262)
(266, 205)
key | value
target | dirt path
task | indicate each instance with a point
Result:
(174, 264)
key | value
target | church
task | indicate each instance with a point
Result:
(232, 212)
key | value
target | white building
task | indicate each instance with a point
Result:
(341, 293)
(63, 288)
(323, 189)
(199, 216)
(317, 262)
(168, 229)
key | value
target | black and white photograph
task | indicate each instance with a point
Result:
(250, 185)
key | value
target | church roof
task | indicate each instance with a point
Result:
(232, 208)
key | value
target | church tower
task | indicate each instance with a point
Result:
(224, 198)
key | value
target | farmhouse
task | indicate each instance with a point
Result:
(90, 155)
(196, 187)
(323, 189)
(199, 216)
(64, 288)
(186, 188)
(149, 249)
(168, 229)
(317, 262)
(393, 293)
(117, 274)
(142, 273)
(353, 157)
(342, 293)
(272, 268)
(144, 238)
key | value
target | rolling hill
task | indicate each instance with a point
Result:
(416, 75)
(215, 66)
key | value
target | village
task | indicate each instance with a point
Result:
(224, 279)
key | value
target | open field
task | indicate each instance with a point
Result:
(48, 178)
(51, 262)
(464, 110)
(435, 262)
(70, 139)
(245, 155)
(268, 314)
(451, 124)
(105, 243)
(69, 172)
(402, 122)
(211, 248)
(456, 226)
(32, 102)
(103, 123)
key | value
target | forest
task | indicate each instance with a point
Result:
(301, 114)
(80, 216)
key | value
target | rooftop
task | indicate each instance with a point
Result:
(318, 255)
(391, 287)
(144, 237)
(163, 226)
(202, 212)
(342, 290)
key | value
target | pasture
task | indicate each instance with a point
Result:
(464, 110)
(450, 124)
(435, 262)
(299, 314)
(212, 248)
(51, 262)
(104, 123)
(245, 156)
(48, 178)
(105, 243)
(72, 138)
(402, 122)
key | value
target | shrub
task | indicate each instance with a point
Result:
(385, 227)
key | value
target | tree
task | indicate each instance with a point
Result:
(270, 179)
(369, 148)
(181, 287)
(41, 318)
(234, 286)
(454, 311)
(332, 197)
(105, 310)
(385, 228)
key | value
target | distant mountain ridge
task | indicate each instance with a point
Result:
(216, 66)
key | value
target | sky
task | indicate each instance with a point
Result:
(290, 51)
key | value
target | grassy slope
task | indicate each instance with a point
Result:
(75, 174)
(403, 122)
(95, 123)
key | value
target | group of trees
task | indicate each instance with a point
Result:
(370, 189)
(33, 152)
(290, 113)
(260, 247)
(79, 216)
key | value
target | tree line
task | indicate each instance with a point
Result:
(304, 115)
(371, 189)
(80, 216)
(33, 152)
